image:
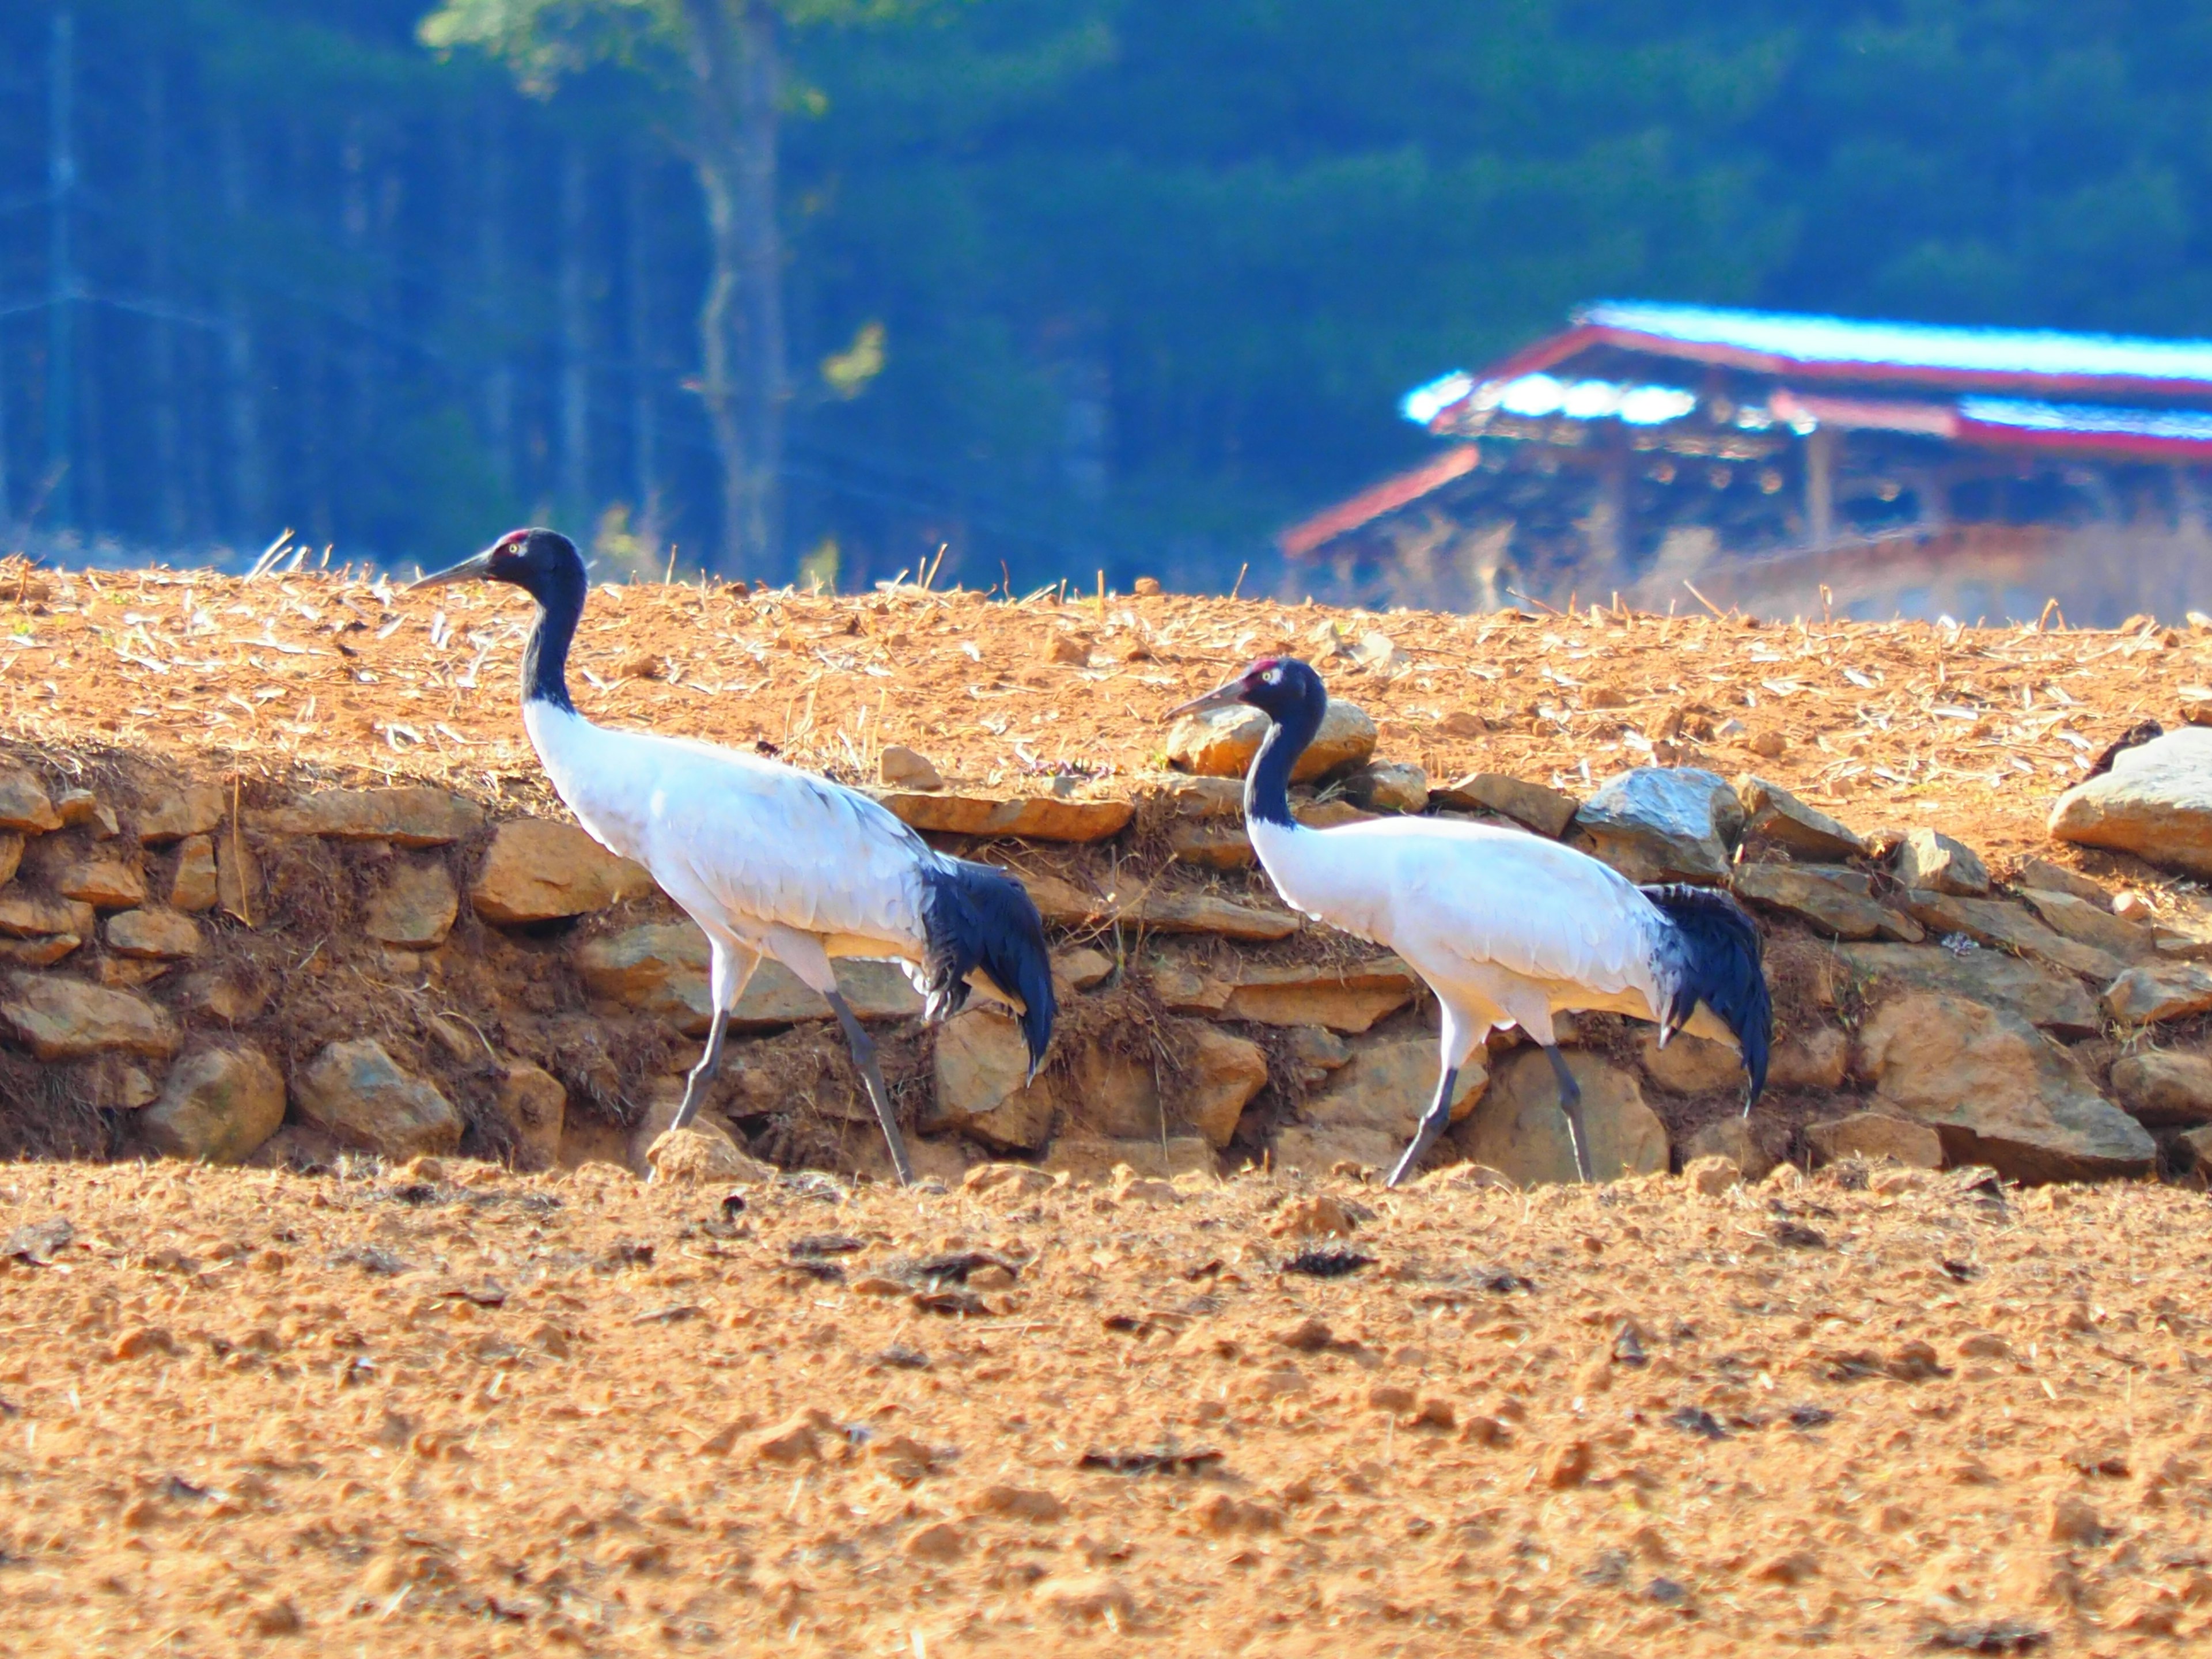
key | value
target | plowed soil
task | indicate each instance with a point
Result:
(458, 1412)
(462, 1411)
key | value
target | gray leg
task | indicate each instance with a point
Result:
(1433, 1123)
(1570, 1108)
(728, 974)
(863, 1056)
(694, 1087)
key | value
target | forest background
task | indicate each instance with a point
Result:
(815, 287)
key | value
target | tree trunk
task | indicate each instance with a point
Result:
(644, 411)
(249, 501)
(494, 299)
(575, 464)
(737, 68)
(161, 279)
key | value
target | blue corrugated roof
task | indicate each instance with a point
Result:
(2186, 426)
(1916, 345)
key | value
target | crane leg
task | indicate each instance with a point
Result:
(727, 977)
(1433, 1123)
(1570, 1108)
(863, 1056)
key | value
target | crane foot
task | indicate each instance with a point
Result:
(1570, 1108)
(1433, 1124)
(863, 1056)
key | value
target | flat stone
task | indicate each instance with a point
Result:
(1022, 818)
(1221, 742)
(1224, 1074)
(413, 816)
(353, 1091)
(1537, 806)
(69, 1020)
(1183, 990)
(218, 1105)
(534, 1105)
(1343, 997)
(2159, 991)
(1876, 1135)
(1997, 1091)
(2092, 925)
(1081, 968)
(2000, 922)
(981, 1065)
(160, 935)
(536, 869)
(1518, 1130)
(1389, 786)
(901, 768)
(25, 806)
(1773, 814)
(1189, 797)
(415, 908)
(193, 889)
(41, 952)
(1368, 1112)
(1662, 824)
(2156, 802)
(1818, 1059)
(1932, 862)
(2056, 1002)
(31, 915)
(214, 993)
(193, 811)
(1690, 1065)
(1062, 903)
(2048, 878)
(1839, 903)
(105, 883)
(1203, 913)
(2162, 1088)
(1211, 846)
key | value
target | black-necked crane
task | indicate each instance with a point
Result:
(1507, 928)
(769, 860)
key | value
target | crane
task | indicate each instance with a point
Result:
(1507, 928)
(769, 860)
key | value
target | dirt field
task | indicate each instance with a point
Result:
(457, 1411)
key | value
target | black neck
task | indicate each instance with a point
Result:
(1267, 787)
(545, 659)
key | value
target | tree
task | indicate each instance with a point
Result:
(726, 61)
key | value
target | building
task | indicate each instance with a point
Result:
(1794, 466)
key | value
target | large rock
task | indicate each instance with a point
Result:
(414, 816)
(1662, 824)
(415, 908)
(354, 1092)
(1839, 903)
(1225, 1072)
(1220, 743)
(1688, 1064)
(2092, 925)
(1536, 806)
(981, 1063)
(105, 883)
(2002, 923)
(1369, 1110)
(218, 1105)
(2156, 802)
(1818, 1059)
(1736, 1139)
(1997, 1091)
(193, 887)
(2046, 877)
(24, 804)
(1876, 1135)
(1024, 818)
(154, 935)
(28, 915)
(1347, 997)
(1204, 913)
(660, 971)
(194, 811)
(2163, 1088)
(1211, 846)
(533, 1104)
(2056, 1002)
(2159, 991)
(1930, 860)
(69, 1019)
(1389, 786)
(1517, 1128)
(538, 871)
(1773, 814)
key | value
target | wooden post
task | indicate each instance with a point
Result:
(1820, 485)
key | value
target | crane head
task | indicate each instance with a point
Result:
(1274, 686)
(538, 561)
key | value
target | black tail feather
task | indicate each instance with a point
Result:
(979, 917)
(1715, 957)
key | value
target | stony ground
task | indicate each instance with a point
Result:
(458, 1412)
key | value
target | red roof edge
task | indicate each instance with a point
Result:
(1373, 502)
(2142, 444)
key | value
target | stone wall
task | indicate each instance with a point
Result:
(191, 967)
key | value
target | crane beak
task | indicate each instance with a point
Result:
(467, 570)
(1226, 697)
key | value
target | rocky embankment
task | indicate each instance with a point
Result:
(278, 972)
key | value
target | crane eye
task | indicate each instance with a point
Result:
(1274, 676)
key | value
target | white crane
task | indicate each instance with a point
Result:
(769, 860)
(1507, 928)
